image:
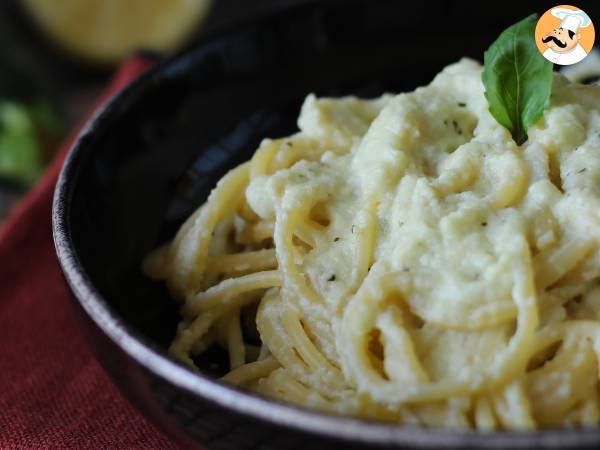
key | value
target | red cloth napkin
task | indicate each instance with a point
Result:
(53, 394)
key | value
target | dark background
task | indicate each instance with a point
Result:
(471, 27)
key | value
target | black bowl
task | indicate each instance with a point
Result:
(152, 155)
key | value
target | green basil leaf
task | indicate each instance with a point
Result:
(517, 79)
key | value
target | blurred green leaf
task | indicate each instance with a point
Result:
(20, 151)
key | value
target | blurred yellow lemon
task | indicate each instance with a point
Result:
(105, 31)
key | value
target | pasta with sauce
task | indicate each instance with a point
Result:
(406, 261)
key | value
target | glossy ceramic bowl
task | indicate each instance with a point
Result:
(155, 151)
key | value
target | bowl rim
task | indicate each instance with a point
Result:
(156, 360)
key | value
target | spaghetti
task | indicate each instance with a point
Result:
(402, 259)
